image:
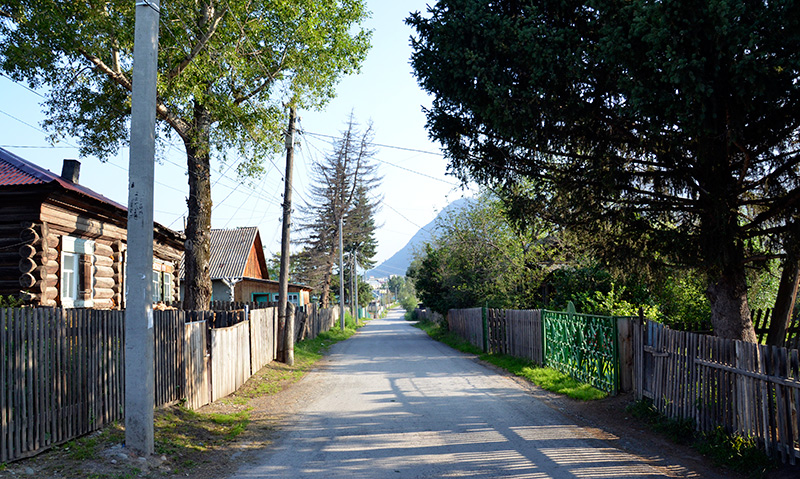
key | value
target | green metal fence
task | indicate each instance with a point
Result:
(583, 346)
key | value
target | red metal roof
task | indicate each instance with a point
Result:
(15, 171)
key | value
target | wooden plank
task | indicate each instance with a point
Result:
(28, 397)
(41, 374)
(796, 412)
(5, 407)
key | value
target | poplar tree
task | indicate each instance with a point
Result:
(226, 70)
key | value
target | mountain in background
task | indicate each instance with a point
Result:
(400, 261)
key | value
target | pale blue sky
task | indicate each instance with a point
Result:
(385, 93)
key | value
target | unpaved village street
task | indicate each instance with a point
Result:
(392, 403)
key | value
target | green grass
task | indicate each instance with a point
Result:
(180, 430)
(546, 378)
(277, 376)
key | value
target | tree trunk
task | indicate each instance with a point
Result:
(197, 289)
(326, 285)
(730, 314)
(784, 302)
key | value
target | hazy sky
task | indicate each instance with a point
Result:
(414, 188)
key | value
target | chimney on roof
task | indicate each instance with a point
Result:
(71, 170)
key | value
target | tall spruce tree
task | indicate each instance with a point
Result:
(343, 181)
(674, 123)
(225, 70)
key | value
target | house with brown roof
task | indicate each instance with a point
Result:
(62, 244)
(239, 272)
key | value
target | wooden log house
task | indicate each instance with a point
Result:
(62, 244)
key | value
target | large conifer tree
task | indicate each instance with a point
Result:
(674, 122)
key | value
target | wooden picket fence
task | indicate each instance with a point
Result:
(311, 319)
(62, 371)
(500, 331)
(761, 319)
(467, 324)
(745, 388)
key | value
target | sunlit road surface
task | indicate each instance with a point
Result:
(393, 403)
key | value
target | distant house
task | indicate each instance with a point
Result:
(62, 244)
(239, 272)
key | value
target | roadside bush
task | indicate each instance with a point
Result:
(732, 451)
(10, 301)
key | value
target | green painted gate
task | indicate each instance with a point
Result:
(583, 346)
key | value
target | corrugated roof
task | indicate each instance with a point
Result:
(15, 171)
(230, 250)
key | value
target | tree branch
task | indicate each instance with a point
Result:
(200, 45)
(180, 126)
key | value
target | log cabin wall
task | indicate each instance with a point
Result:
(21, 258)
(68, 216)
(32, 232)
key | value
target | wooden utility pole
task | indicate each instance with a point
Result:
(139, 362)
(283, 278)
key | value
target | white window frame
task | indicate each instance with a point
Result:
(166, 292)
(76, 247)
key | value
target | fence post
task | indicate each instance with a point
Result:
(485, 329)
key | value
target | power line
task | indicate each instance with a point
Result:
(319, 135)
(403, 148)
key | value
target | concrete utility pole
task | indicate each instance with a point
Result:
(283, 278)
(139, 362)
(341, 275)
(355, 284)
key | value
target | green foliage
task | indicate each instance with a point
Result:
(10, 302)
(667, 128)
(479, 257)
(763, 285)
(682, 302)
(225, 75)
(404, 292)
(734, 452)
(408, 302)
(246, 60)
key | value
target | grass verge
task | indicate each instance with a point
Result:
(188, 439)
(735, 452)
(546, 378)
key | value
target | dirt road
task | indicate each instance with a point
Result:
(390, 402)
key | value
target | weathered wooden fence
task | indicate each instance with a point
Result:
(62, 371)
(467, 324)
(761, 319)
(311, 319)
(262, 338)
(230, 359)
(750, 389)
(500, 331)
(589, 348)
(524, 334)
(427, 314)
